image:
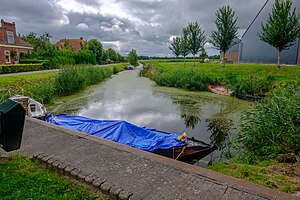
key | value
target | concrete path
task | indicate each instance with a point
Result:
(130, 173)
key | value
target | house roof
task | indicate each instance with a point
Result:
(21, 42)
(76, 44)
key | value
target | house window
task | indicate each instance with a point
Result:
(10, 37)
(7, 56)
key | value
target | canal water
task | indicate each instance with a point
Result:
(138, 100)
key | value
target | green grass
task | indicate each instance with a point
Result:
(22, 178)
(45, 86)
(282, 177)
(285, 73)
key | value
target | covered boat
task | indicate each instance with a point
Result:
(219, 89)
(171, 145)
(32, 107)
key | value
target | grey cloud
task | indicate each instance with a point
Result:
(158, 20)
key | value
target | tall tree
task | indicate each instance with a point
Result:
(196, 38)
(184, 44)
(175, 46)
(223, 37)
(282, 27)
(133, 58)
(96, 47)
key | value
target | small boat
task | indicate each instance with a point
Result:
(130, 67)
(167, 144)
(219, 89)
(249, 97)
(32, 107)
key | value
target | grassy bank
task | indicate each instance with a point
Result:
(44, 87)
(242, 78)
(280, 176)
(21, 178)
(270, 129)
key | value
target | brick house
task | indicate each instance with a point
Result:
(11, 46)
(76, 44)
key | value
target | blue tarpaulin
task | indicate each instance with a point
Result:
(119, 131)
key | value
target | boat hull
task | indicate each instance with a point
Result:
(190, 153)
(219, 89)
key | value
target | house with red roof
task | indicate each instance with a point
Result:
(75, 44)
(11, 46)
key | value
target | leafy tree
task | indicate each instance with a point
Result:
(282, 27)
(42, 46)
(223, 37)
(96, 47)
(112, 55)
(175, 46)
(203, 55)
(184, 45)
(85, 57)
(133, 58)
(196, 38)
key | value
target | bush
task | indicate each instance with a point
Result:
(15, 68)
(85, 57)
(43, 91)
(272, 126)
(251, 85)
(190, 80)
(68, 81)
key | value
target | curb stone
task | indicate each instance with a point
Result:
(102, 187)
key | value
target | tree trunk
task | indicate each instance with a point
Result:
(194, 60)
(224, 59)
(278, 61)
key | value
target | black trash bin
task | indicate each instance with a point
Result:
(12, 117)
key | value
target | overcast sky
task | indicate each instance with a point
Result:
(145, 25)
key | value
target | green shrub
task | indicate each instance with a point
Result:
(272, 126)
(43, 92)
(85, 57)
(251, 85)
(68, 81)
(15, 68)
(187, 79)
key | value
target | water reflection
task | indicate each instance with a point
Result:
(137, 100)
(220, 128)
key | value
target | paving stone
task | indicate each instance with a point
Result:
(114, 192)
(97, 182)
(55, 164)
(89, 178)
(68, 169)
(82, 175)
(105, 187)
(124, 195)
(147, 177)
(75, 172)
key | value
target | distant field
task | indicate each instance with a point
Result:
(284, 73)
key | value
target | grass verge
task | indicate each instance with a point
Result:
(44, 87)
(22, 178)
(279, 176)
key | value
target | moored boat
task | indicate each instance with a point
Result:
(32, 107)
(219, 89)
(167, 144)
(249, 97)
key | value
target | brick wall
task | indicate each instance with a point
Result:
(12, 58)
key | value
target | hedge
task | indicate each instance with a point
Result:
(15, 68)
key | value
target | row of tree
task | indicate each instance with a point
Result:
(280, 31)
(91, 53)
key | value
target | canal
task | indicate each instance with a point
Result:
(126, 96)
